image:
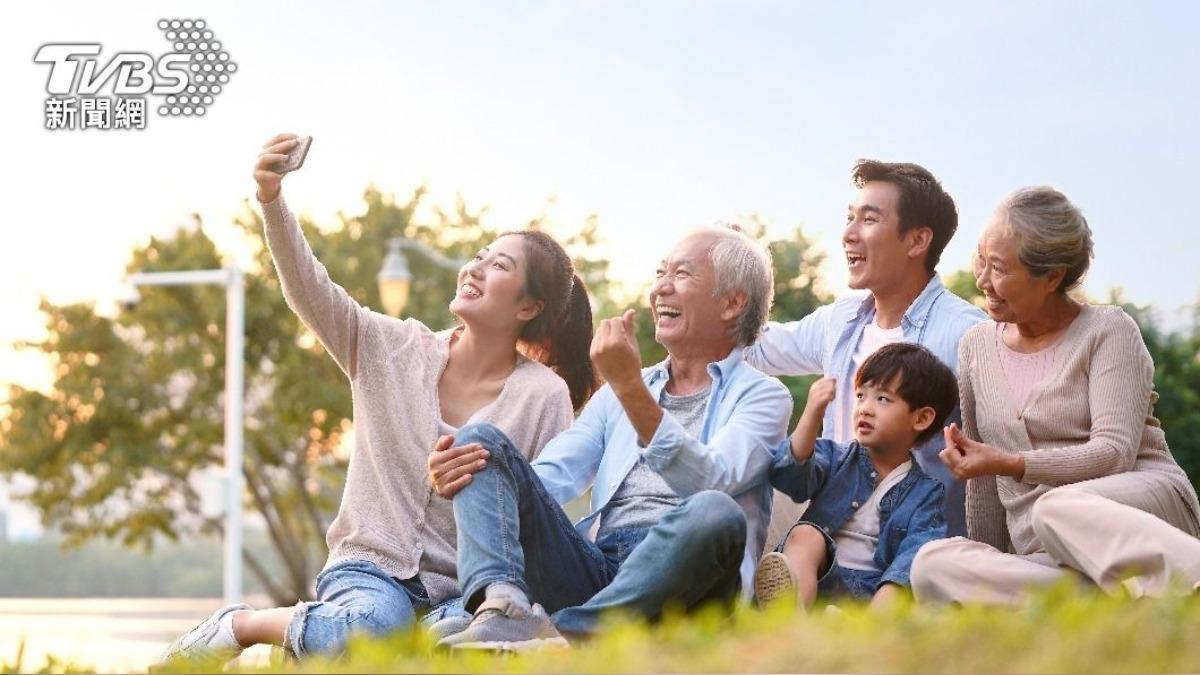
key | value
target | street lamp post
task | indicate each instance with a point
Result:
(395, 281)
(233, 280)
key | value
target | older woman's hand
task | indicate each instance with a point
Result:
(971, 459)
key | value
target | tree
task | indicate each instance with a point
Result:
(962, 284)
(1176, 358)
(135, 411)
(798, 293)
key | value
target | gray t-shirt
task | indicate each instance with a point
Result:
(644, 496)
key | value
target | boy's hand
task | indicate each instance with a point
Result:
(821, 394)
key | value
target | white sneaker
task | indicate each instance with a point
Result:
(208, 640)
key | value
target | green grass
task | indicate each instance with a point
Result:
(1062, 631)
(51, 665)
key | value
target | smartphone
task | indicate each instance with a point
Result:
(295, 158)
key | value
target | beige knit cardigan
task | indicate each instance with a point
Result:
(1091, 416)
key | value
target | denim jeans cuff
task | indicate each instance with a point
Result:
(447, 608)
(293, 633)
(575, 622)
(830, 547)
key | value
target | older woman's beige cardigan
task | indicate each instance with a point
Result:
(1091, 416)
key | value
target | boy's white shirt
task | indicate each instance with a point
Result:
(859, 536)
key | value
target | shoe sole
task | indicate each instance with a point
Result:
(773, 579)
(519, 646)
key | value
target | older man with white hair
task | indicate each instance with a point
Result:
(676, 456)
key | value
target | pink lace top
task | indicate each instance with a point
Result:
(1023, 371)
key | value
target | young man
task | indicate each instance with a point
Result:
(871, 506)
(896, 229)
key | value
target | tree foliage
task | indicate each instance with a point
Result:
(1176, 358)
(962, 284)
(798, 293)
(135, 414)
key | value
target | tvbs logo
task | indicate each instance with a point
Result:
(187, 79)
(134, 71)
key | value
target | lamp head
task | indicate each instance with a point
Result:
(395, 281)
(129, 297)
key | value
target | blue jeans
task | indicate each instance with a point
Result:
(510, 530)
(838, 581)
(357, 597)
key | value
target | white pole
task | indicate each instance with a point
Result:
(235, 411)
(235, 388)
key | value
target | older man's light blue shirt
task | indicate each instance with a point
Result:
(745, 419)
(824, 342)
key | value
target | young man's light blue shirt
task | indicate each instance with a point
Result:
(745, 419)
(824, 342)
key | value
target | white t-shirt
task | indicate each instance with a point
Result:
(859, 536)
(873, 339)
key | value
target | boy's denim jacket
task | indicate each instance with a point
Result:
(839, 478)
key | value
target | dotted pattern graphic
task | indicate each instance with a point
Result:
(208, 72)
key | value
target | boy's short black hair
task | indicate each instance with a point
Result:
(923, 380)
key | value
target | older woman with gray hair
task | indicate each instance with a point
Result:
(1068, 470)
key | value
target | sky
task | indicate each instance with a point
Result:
(656, 116)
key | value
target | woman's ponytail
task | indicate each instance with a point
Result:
(560, 337)
(571, 344)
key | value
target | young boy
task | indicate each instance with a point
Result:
(870, 505)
